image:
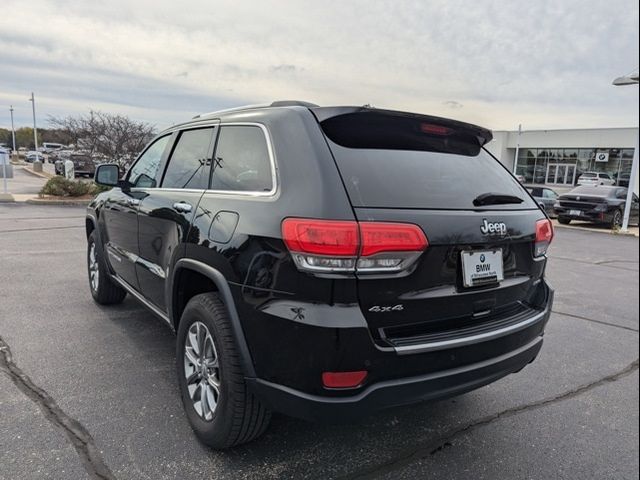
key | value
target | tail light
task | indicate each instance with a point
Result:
(544, 235)
(328, 246)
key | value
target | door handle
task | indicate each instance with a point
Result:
(182, 207)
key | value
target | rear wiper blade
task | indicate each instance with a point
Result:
(491, 198)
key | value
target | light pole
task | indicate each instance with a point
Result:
(35, 131)
(515, 161)
(631, 79)
(13, 130)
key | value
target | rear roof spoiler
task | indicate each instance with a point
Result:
(483, 135)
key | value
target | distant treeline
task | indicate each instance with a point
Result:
(112, 136)
(24, 136)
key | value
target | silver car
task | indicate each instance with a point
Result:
(545, 197)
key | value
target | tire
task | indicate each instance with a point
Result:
(616, 219)
(564, 220)
(237, 416)
(103, 290)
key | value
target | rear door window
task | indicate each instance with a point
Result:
(242, 161)
(190, 161)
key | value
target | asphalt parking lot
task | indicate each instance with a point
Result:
(90, 392)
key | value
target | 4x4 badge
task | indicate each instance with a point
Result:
(488, 228)
(387, 308)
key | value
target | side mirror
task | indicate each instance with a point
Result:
(107, 175)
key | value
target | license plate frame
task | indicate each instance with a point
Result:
(575, 213)
(482, 267)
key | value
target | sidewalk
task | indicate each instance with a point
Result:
(592, 227)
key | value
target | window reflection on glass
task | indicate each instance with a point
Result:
(190, 161)
(242, 160)
(144, 172)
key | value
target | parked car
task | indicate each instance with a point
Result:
(598, 204)
(545, 197)
(50, 147)
(306, 273)
(83, 164)
(520, 178)
(623, 179)
(31, 156)
(595, 178)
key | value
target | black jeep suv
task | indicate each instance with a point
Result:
(324, 262)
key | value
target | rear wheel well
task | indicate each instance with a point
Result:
(187, 284)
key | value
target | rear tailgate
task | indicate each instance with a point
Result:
(427, 171)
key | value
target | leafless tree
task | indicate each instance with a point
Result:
(114, 138)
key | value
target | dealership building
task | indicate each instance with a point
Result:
(559, 157)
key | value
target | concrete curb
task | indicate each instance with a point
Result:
(596, 230)
(37, 174)
(62, 201)
(6, 198)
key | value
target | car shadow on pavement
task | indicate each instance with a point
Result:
(289, 444)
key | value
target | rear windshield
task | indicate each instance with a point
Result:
(589, 174)
(388, 178)
(600, 191)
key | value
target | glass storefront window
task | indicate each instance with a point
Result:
(611, 165)
(585, 156)
(526, 163)
(570, 155)
(624, 170)
(533, 164)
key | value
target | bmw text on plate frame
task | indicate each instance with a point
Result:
(482, 267)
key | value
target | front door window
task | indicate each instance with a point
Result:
(144, 173)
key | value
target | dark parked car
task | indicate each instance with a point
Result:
(83, 164)
(545, 197)
(598, 204)
(324, 262)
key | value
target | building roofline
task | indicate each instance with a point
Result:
(566, 129)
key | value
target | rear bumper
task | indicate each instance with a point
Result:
(586, 215)
(508, 353)
(394, 393)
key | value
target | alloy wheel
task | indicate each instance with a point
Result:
(94, 268)
(617, 218)
(202, 370)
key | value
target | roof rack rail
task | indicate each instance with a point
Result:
(233, 109)
(293, 103)
(277, 103)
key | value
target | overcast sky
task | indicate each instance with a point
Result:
(545, 64)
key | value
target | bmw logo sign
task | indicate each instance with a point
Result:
(482, 258)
